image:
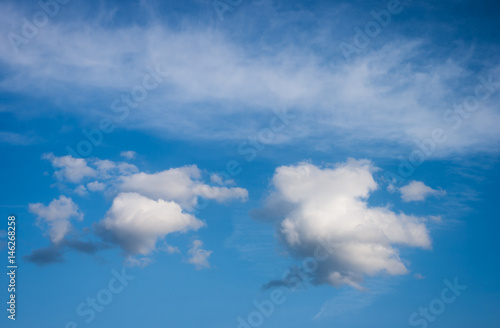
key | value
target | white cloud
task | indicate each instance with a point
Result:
(71, 169)
(386, 94)
(183, 185)
(314, 206)
(199, 256)
(96, 186)
(220, 180)
(419, 276)
(136, 222)
(418, 191)
(128, 154)
(81, 190)
(436, 218)
(74, 170)
(148, 206)
(109, 168)
(170, 249)
(57, 215)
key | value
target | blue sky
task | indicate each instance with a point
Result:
(251, 163)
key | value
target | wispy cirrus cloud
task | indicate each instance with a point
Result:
(386, 96)
(18, 139)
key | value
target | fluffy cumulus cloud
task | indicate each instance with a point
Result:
(136, 222)
(78, 170)
(183, 185)
(108, 168)
(418, 191)
(199, 256)
(70, 168)
(327, 208)
(151, 206)
(57, 216)
(146, 206)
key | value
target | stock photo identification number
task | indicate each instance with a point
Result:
(11, 267)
